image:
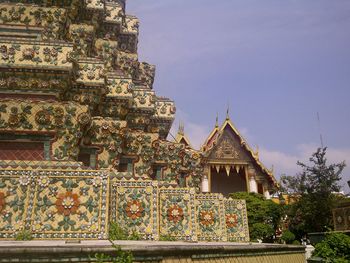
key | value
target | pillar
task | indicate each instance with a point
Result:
(267, 193)
(253, 185)
(205, 184)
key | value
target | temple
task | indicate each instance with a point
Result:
(230, 165)
(83, 135)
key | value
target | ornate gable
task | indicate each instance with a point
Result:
(225, 146)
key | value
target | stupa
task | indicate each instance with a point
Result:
(83, 134)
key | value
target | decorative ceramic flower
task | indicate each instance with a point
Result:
(206, 218)
(3, 49)
(2, 201)
(134, 209)
(67, 203)
(84, 119)
(175, 213)
(15, 15)
(186, 197)
(24, 180)
(231, 220)
(42, 117)
(58, 112)
(28, 53)
(13, 120)
(43, 181)
(239, 206)
(54, 52)
(149, 190)
(97, 181)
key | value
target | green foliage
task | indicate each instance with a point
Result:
(24, 235)
(134, 235)
(313, 187)
(261, 231)
(119, 256)
(334, 248)
(264, 215)
(288, 237)
(296, 242)
(167, 238)
(116, 232)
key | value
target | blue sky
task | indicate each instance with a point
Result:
(276, 63)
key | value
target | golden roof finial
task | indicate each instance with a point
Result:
(228, 112)
(181, 128)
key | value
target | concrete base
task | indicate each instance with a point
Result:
(61, 251)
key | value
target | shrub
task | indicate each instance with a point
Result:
(296, 242)
(24, 235)
(288, 237)
(334, 248)
(261, 231)
(120, 256)
(116, 232)
(134, 235)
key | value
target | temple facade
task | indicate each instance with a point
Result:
(230, 165)
(83, 135)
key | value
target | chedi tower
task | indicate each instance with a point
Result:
(83, 134)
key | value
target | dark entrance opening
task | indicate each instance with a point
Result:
(221, 183)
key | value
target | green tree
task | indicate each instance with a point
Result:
(334, 248)
(313, 187)
(264, 216)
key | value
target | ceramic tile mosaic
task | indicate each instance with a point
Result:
(236, 220)
(134, 207)
(177, 213)
(56, 204)
(210, 217)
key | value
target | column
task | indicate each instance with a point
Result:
(205, 184)
(253, 185)
(267, 193)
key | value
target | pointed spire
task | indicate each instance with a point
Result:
(181, 128)
(257, 151)
(228, 112)
(217, 121)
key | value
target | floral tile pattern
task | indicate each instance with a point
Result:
(210, 217)
(134, 207)
(236, 220)
(14, 198)
(54, 204)
(177, 213)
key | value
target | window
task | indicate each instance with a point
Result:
(181, 180)
(125, 165)
(157, 172)
(88, 157)
(24, 147)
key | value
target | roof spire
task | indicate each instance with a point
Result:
(217, 121)
(181, 128)
(228, 112)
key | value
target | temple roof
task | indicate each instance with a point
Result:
(215, 136)
(181, 137)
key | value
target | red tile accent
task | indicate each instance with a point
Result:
(26, 151)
